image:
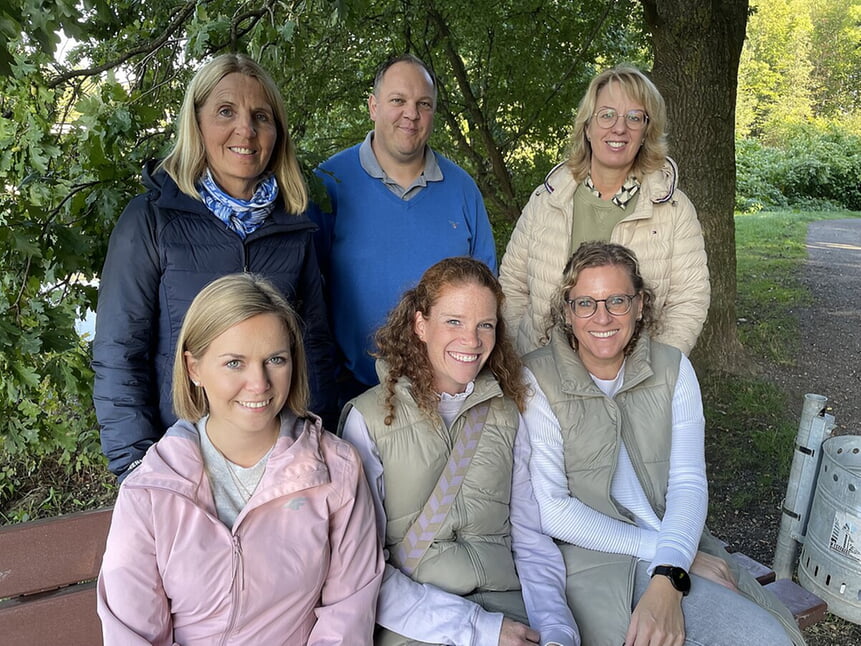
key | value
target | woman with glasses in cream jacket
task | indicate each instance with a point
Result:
(617, 185)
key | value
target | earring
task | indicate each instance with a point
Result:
(196, 383)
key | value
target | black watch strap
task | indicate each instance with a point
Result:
(677, 576)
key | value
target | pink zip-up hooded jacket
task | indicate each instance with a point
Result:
(302, 564)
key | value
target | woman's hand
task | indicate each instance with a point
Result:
(514, 633)
(657, 620)
(714, 569)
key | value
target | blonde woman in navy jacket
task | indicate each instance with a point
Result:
(228, 198)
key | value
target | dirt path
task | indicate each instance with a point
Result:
(829, 361)
(830, 358)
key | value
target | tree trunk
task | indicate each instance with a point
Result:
(697, 46)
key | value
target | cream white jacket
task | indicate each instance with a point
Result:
(662, 230)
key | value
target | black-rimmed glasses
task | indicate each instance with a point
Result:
(585, 306)
(606, 118)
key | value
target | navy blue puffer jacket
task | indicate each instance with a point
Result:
(165, 248)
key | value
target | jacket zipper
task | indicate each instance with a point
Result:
(237, 585)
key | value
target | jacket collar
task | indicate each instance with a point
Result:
(574, 376)
(658, 186)
(167, 196)
(174, 463)
(486, 386)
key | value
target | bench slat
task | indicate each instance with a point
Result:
(762, 573)
(66, 616)
(806, 607)
(45, 554)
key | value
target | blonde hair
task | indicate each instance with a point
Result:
(223, 303)
(407, 355)
(640, 89)
(600, 254)
(186, 162)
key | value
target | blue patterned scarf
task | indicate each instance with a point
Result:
(240, 216)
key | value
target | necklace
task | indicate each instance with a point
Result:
(244, 493)
(254, 474)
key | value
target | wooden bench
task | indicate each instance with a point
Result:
(47, 569)
(806, 607)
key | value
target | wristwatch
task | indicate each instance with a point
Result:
(677, 576)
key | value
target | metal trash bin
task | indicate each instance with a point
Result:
(830, 563)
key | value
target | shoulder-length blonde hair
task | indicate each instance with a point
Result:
(186, 162)
(406, 355)
(639, 88)
(600, 254)
(223, 303)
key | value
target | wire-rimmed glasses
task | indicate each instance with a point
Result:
(606, 118)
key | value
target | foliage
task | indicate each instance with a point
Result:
(801, 61)
(44, 486)
(775, 70)
(76, 128)
(817, 167)
(836, 40)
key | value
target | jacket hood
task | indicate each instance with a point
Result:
(151, 178)
(661, 184)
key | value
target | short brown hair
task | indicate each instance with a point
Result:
(225, 302)
(402, 58)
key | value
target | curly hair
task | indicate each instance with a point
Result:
(600, 254)
(639, 88)
(406, 355)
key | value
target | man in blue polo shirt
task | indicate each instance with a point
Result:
(397, 208)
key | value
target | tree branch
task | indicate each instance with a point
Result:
(576, 62)
(179, 19)
(506, 195)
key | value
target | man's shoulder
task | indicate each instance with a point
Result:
(447, 165)
(347, 156)
(454, 174)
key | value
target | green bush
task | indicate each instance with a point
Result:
(817, 168)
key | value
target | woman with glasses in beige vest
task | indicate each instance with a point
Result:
(447, 469)
(616, 428)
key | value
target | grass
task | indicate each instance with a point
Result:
(750, 424)
(770, 251)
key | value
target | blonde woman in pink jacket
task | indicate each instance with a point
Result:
(251, 525)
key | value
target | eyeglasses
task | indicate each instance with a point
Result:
(585, 306)
(607, 117)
